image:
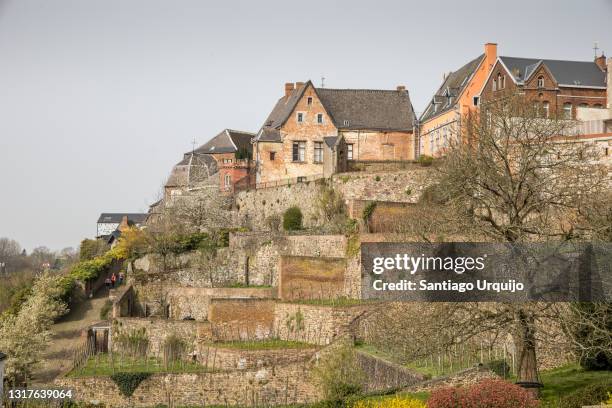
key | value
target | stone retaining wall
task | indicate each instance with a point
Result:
(237, 359)
(384, 375)
(314, 324)
(461, 378)
(283, 385)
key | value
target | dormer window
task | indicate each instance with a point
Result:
(309, 100)
(540, 82)
(346, 122)
(300, 117)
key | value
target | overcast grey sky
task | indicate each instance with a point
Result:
(99, 98)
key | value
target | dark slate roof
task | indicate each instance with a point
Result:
(358, 108)
(2, 356)
(268, 134)
(114, 218)
(368, 109)
(446, 96)
(569, 73)
(330, 140)
(228, 141)
(194, 167)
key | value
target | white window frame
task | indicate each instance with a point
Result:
(299, 115)
(540, 81)
(567, 110)
(546, 108)
(227, 180)
(318, 151)
(301, 151)
(350, 149)
(320, 115)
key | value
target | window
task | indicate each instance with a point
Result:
(300, 117)
(318, 152)
(495, 85)
(567, 110)
(319, 118)
(309, 100)
(346, 122)
(299, 151)
(272, 156)
(475, 101)
(502, 81)
(584, 105)
(227, 161)
(598, 106)
(228, 180)
(546, 107)
(301, 179)
(349, 152)
(540, 82)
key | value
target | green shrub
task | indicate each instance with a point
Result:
(377, 178)
(128, 382)
(592, 394)
(106, 309)
(292, 219)
(368, 210)
(425, 161)
(339, 375)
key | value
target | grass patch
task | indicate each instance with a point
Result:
(340, 302)
(419, 396)
(271, 344)
(107, 365)
(564, 380)
(240, 285)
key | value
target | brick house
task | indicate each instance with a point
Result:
(373, 124)
(233, 150)
(557, 86)
(441, 120)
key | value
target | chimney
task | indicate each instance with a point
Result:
(124, 223)
(401, 88)
(490, 55)
(288, 88)
(298, 85)
(609, 83)
(601, 62)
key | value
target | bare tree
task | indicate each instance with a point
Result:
(522, 178)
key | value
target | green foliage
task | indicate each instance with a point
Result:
(368, 211)
(18, 298)
(91, 248)
(129, 382)
(377, 178)
(106, 309)
(292, 219)
(295, 322)
(353, 245)
(242, 154)
(339, 375)
(408, 191)
(592, 394)
(425, 161)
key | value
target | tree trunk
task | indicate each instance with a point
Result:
(527, 375)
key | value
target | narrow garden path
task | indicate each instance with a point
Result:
(67, 336)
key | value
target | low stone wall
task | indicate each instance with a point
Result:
(461, 378)
(124, 300)
(235, 359)
(314, 324)
(259, 253)
(303, 278)
(195, 302)
(394, 186)
(283, 385)
(384, 375)
(157, 330)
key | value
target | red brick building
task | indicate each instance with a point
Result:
(558, 86)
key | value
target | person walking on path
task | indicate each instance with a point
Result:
(113, 279)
